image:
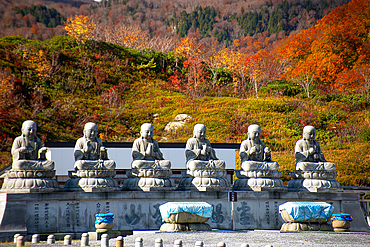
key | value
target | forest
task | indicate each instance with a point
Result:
(119, 78)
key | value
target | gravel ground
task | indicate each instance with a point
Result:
(260, 238)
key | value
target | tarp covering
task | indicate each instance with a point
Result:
(341, 216)
(104, 218)
(301, 211)
(199, 208)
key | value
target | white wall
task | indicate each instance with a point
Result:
(64, 159)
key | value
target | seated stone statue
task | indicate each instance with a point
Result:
(90, 154)
(28, 152)
(199, 153)
(254, 155)
(145, 151)
(308, 154)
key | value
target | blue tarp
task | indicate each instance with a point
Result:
(199, 208)
(104, 218)
(301, 211)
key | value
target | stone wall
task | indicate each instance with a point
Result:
(68, 212)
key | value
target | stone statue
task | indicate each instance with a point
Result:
(199, 152)
(145, 151)
(150, 171)
(254, 155)
(308, 154)
(28, 152)
(205, 172)
(90, 154)
(258, 172)
(93, 170)
(31, 171)
(313, 173)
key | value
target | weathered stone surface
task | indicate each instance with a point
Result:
(259, 184)
(176, 227)
(31, 171)
(313, 173)
(149, 170)
(180, 120)
(297, 227)
(93, 169)
(205, 172)
(258, 172)
(313, 185)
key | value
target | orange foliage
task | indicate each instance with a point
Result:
(331, 50)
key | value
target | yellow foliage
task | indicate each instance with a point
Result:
(188, 47)
(80, 27)
(6, 86)
(39, 63)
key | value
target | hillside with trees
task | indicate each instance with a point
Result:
(318, 76)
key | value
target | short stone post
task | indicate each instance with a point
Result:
(119, 241)
(138, 242)
(67, 240)
(104, 242)
(221, 244)
(244, 245)
(35, 238)
(158, 243)
(199, 244)
(15, 237)
(85, 239)
(51, 239)
(20, 241)
(177, 243)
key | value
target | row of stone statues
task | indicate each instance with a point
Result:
(94, 171)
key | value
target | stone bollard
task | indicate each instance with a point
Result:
(51, 239)
(177, 243)
(199, 244)
(104, 242)
(67, 240)
(221, 244)
(158, 243)
(15, 237)
(244, 245)
(85, 239)
(119, 241)
(35, 238)
(138, 242)
(20, 241)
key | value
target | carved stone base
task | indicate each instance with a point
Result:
(149, 173)
(258, 174)
(28, 181)
(92, 184)
(204, 184)
(313, 174)
(149, 184)
(175, 227)
(259, 184)
(313, 185)
(300, 226)
(207, 173)
(29, 185)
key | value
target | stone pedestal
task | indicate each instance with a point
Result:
(259, 180)
(28, 181)
(313, 181)
(149, 179)
(92, 180)
(205, 180)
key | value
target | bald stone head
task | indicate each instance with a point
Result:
(254, 132)
(29, 129)
(309, 133)
(90, 131)
(146, 131)
(199, 131)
